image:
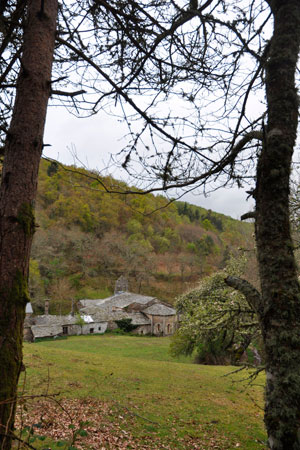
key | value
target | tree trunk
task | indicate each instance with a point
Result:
(17, 194)
(280, 319)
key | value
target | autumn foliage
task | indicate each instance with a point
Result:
(87, 238)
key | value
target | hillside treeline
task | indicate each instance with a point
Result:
(87, 238)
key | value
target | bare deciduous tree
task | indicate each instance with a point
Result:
(199, 67)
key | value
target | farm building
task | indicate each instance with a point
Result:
(150, 315)
(147, 314)
(47, 325)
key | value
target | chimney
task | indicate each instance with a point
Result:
(46, 307)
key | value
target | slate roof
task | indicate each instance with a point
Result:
(104, 315)
(97, 313)
(124, 299)
(49, 325)
(114, 307)
(40, 331)
(115, 301)
(159, 309)
(87, 302)
(137, 318)
(49, 319)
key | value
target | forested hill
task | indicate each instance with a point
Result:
(87, 238)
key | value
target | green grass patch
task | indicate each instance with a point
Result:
(156, 397)
(93, 293)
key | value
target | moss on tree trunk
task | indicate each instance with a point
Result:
(17, 194)
(280, 319)
(11, 353)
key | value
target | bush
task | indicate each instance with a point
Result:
(213, 351)
(182, 344)
(126, 325)
(217, 323)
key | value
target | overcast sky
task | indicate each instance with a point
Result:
(94, 138)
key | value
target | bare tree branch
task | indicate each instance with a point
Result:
(251, 294)
(248, 215)
(67, 94)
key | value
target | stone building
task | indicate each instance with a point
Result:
(49, 325)
(150, 315)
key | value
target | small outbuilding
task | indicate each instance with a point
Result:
(48, 325)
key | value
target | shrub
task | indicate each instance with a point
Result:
(126, 325)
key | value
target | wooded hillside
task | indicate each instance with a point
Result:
(87, 238)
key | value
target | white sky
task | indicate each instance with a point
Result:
(95, 138)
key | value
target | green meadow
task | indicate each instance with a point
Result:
(142, 393)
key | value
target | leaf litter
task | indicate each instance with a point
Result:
(105, 427)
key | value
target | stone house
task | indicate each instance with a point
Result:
(48, 325)
(164, 320)
(150, 315)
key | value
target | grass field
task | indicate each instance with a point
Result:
(133, 394)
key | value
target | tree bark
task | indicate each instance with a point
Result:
(280, 319)
(17, 194)
(251, 294)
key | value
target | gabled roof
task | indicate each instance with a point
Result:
(49, 325)
(102, 315)
(117, 301)
(40, 331)
(159, 309)
(87, 302)
(49, 319)
(126, 305)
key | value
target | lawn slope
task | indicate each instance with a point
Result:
(149, 398)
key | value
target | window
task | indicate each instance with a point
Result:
(91, 330)
(65, 330)
(99, 328)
